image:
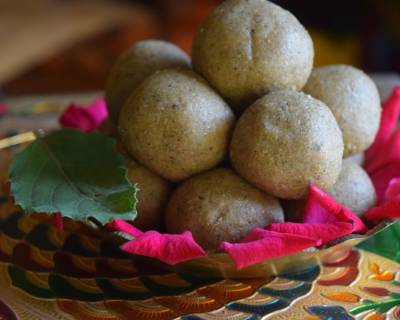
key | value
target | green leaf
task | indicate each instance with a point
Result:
(378, 242)
(78, 174)
(386, 305)
(396, 283)
(395, 295)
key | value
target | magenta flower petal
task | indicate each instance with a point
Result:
(382, 159)
(75, 117)
(86, 118)
(390, 114)
(382, 177)
(393, 190)
(123, 226)
(261, 244)
(256, 234)
(388, 210)
(320, 207)
(169, 248)
(325, 220)
(97, 111)
(325, 232)
(323, 209)
(388, 152)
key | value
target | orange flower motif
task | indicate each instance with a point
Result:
(343, 297)
(377, 274)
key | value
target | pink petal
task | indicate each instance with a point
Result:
(382, 177)
(123, 226)
(389, 210)
(262, 245)
(58, 221)
(169, 248)
(323, 209)
(256, 234)
(320, 207)
(390, 114)
(393, 190)
(76, 117)
(86, 118)
(325, 220)
(388, 152)
(3, 108)
(325, 232)
(348, 216)
(97, 111)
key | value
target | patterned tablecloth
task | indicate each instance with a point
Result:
(80, 273)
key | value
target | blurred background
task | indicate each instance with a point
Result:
(49, 46)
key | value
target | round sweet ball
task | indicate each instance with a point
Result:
(354, 188)
(219, 206)
(285, 141)
(357, 158)
(152, 196)
(137, 63)
(176, 125)
(247, 48)
(354, 100)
